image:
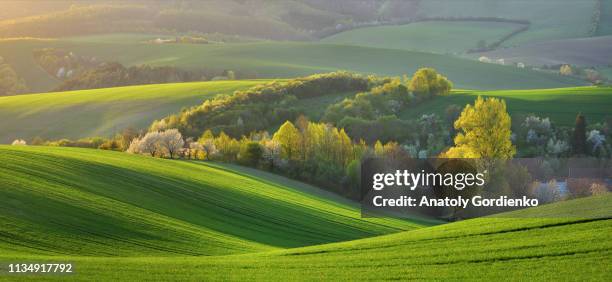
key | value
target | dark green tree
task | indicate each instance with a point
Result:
(579, 137)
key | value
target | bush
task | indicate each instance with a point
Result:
(598, 189)
(548, 193)
(19, 142)
(580, 187)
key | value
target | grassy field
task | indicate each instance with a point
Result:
(102, 112)
(588, 51)
(560, 105)
(434, 36)
(549, 19)
(168, 213)
(290, 59)
(67, 201)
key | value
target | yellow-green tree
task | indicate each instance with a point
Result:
(484, 131)
(288, 136)
(428, 82)
(379, 149)
(346, 148)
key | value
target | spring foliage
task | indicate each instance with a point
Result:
(484, 131)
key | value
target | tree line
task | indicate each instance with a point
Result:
(83, 72)
(327, 156)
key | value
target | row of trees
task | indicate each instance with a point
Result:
(82, 72)
(318, 153)
(329, 157)
(115, 74)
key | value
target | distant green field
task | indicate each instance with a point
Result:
(434, 36)
(556, 19)
(85, 202)
(102, 112)
(560, 105)
(292, 59)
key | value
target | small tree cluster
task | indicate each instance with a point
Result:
(428, 82)
(538, 136)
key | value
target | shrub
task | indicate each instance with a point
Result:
(19, 142)
(547, 193)
(580, 187)
(598, 189)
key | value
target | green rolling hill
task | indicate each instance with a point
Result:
(284, 59)
(102, 112)
(560, 105)
(66, 201)
(431, 36)
(118, 216)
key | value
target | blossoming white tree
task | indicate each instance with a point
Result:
(19, 142)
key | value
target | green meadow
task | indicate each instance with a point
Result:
(560, 105)
(118, 216)
(281, 59)
(67, 201)
(102, 112)
(431, 36)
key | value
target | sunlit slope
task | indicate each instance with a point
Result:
(570, 240)
(102, 112)
(560, 105)
(84, 202)
(292, 59)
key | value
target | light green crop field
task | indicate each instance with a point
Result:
(85, 202)
(102, 112)
(560, 105)
(435, 36)
(122, 217)
(292, 59)
(558, 19)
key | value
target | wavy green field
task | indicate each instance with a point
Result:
(66, 201)
(118, 216)
(102, 112)
(560, 105)
(283, 59)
